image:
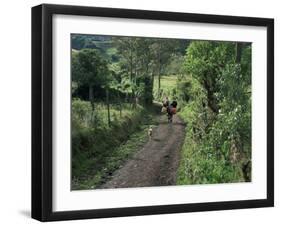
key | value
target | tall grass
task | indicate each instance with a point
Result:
(97, 148)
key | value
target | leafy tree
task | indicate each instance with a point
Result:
(205, 61)
(126, 48)
(219, 80)
(163, 50)
(89, 69)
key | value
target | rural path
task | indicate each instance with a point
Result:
(156, 163)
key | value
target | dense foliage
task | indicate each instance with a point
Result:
(217, 108)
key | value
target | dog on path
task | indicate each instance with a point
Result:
(150, 132)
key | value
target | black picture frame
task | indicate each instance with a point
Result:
(42, 111)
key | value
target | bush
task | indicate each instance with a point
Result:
(95, 144)
(217, 148)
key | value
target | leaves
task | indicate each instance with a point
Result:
(89, 68)
(221, 140)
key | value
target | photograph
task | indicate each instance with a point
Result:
(150, 111)
(142, 112)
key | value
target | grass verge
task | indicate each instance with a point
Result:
(95, 169)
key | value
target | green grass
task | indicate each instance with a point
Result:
(83, 114)
(98, 150)
(112, 162)
(168, 86)
(115, 115)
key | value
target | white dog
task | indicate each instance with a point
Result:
(150, 132)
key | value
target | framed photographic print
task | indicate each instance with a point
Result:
(145, 112)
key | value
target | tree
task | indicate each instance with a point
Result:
(163, 50)
(205, 60)
(145, 67)
(238, 52)
(89, 69)
(141, 59)
(136, 64)
(220, 73)
(126, 48)
(108, 106)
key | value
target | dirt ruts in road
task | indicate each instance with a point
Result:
(156, 163)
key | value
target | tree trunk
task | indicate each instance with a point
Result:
(159, 82)
(159, 71)
(108, 109)
(91, 96)
(120, 106)
(210, 97)
(131, 65)
(152, 85)
(91, 93)
(238, 52)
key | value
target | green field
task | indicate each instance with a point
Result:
(168, 87)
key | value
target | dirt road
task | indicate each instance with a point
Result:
(157, 162)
